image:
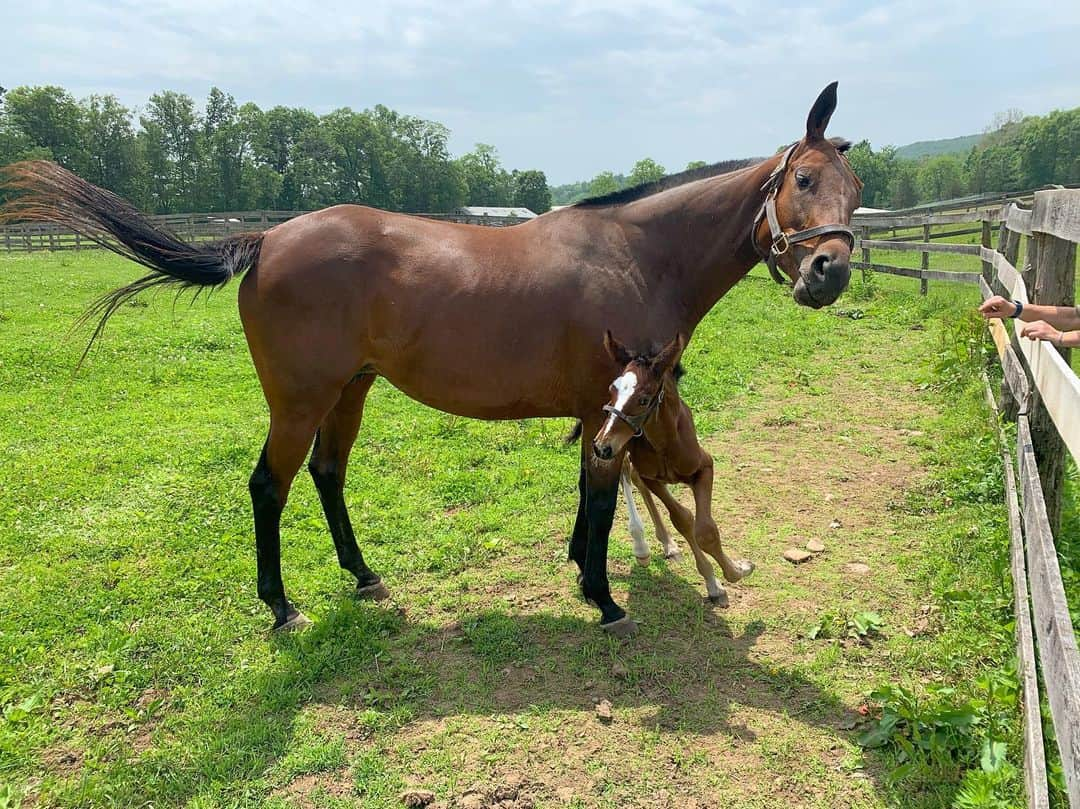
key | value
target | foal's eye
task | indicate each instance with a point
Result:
(643, 400)
(802, 180)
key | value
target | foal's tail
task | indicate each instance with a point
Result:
(45, 192)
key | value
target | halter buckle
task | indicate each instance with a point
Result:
(781, 239)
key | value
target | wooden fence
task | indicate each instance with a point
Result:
(190, 226)
(1043, 394)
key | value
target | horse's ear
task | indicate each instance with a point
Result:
(821, 112)
(616, 350)
(670, 354)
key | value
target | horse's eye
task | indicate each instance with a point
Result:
(643, 401)
(803, 180)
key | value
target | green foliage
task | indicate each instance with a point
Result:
(646, 170)
(603, 183)
(860, 626)
(239, 157)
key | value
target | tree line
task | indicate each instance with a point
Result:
(1016, 153)
(174, 157)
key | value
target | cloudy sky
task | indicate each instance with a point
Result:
(575, 87)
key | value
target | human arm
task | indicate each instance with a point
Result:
(1060, 317)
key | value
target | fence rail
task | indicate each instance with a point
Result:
(1042, 390)
(35, 236)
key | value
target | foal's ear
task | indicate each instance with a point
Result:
(821, 112)
(670, 354)
(616, 350)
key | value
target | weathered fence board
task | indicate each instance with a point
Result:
(1057, 213)
(1057, 644)
(929, 247)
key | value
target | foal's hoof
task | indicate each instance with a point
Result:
(623, 628)
(719, 600)
(296, 622)
(673, 555)
(743, 568)
(643, 560)
(373, 592)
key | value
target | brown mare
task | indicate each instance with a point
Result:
(490, 323)
(650, 422)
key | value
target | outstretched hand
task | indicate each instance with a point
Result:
(997, 307)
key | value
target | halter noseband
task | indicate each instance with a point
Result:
(781, 241)
(637, 423)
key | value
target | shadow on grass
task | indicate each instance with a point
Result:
(682, 673)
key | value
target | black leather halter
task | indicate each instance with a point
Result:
(781, 241)
(637, 423)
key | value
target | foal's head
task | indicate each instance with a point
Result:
(636, 394)
(812, 194)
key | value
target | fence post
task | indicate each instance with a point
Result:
(924, 284)
(987, 267)
(1054, 268)
(1009, 242)
(865, 251)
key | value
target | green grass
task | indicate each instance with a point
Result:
(137, 669)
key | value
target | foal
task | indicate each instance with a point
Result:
(647, 418)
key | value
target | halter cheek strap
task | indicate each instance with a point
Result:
(781, 240)
(636, 423)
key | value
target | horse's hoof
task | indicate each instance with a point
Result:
(296, 622)
(373, 592)
(673, 556)
(643, 560)
(623, 628)
(744, 567)
(719, 600)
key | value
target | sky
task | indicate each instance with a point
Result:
(574, 87)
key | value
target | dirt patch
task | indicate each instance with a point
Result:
(302, 790)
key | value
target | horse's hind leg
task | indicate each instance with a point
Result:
(683, 520)
(291, 431)
(329, 459)
(671, 550)
(705, 530)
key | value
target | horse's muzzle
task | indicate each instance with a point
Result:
(603, 451)
(823, 278)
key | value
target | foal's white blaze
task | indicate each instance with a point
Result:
(624, 386)
(637, 526)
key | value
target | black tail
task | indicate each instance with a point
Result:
(574, 434)
(45, 192)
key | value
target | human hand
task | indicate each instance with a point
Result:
(1041, 330)
(997, 307)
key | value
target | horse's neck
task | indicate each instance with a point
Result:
(694, 242)
(660, 431)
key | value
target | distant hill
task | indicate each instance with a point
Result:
(932, 148)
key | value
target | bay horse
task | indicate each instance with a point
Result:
(649, 421)
(489, 323)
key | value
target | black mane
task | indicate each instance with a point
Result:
(664, 183)
(682, 178)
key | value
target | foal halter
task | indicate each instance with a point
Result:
(781, 241)
(637, 423)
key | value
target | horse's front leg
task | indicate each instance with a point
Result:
(601, 494)
(705, 529)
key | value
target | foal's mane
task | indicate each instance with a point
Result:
(683, 177)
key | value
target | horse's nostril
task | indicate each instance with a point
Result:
(819, 265)
(602, 451)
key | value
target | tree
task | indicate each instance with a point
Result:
(111, 148)
(903, 190)
(603, 183)
(531, 190)
(875, 169)
(941, 177)
(646, 170)
(696, 164)
(488, 182)
(49, 119)
(172, 142)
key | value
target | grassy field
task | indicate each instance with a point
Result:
(137, 669)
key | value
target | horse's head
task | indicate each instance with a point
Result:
(802, 227)
(636, 394)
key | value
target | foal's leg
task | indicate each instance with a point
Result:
(329, 459)
(671, 550)
(683, 520)
(291, 431)
(637, 527)
(705, 530)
